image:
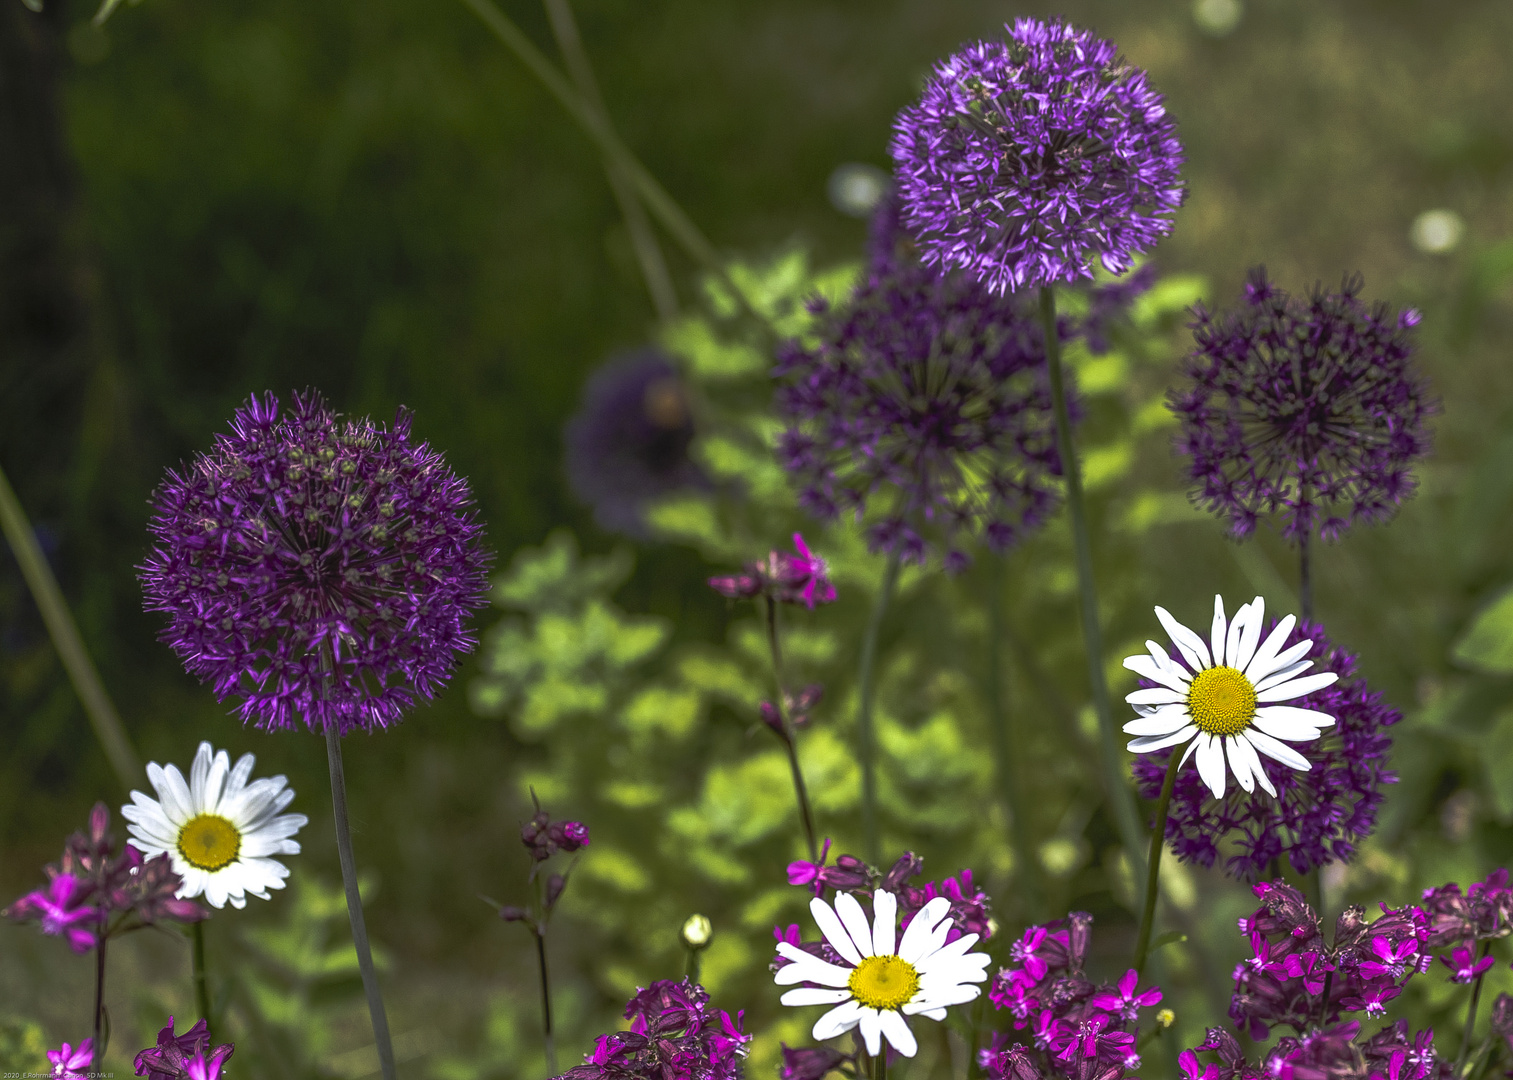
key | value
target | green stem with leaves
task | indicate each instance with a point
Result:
(786, 734)
(1465, 1042)
(866, 736)
(201, 984)
(1153, 864)
(1120, 802)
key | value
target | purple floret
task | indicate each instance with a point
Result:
(1310, 408)
(317, 570)
(1028, 158)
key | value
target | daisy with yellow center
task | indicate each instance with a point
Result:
(878, 984)
(1224, 702)
(218, 829)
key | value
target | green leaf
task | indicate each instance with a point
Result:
(1497, 759)
(1171, 937)
(673, 713)
(1487, 645)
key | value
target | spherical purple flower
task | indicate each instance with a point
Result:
(1028, 158)
(317, 570)
(628, 442)
(922, 404)
(1318, 816)
(1309, 408)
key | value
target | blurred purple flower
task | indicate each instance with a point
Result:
(674, 1035)
(799, 578)
(628, 442)
(316, 570)
(183, 1057)
(69, 1063)
(1311, 408)
(1028, 158)
(811, 1062)
(61, 909)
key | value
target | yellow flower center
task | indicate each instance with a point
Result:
(209, 842)
(1222, 701)
(884, 982)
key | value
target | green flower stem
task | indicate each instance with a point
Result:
(1026, 867)
(65, 634)
(866, 738)
(548, 1041)
(691, 967)
(100, 1040)
(880, 1063)
(1305, 580)
(376, 1012)
(643, 240)
(1465, 1042)
(1121, 803)
(201, 987)
(1153, 863)
(800, 789)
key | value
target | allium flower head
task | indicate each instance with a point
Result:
(880, 978)
(1028, 158)
(923, 404)
(1310, 408)
(674, 1035)
(317, 570)
(628, 442)
(1224, 703)
(220, 830)
(1318, 816)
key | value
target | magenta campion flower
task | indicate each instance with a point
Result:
(1125, 1000)
(1308, 408)
(183, 1057)
(1318, 816)
(72, 1063)
(65, 908)
(1029, 158)
(1463, 964)
(674, 1035)
(316, 570)
(1389, 960)
(798, 578)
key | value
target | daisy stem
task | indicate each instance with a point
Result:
(866, 741)
(547, 1040)
(201, 987)
(376, 1012)
(880, 1064)
(1024, 856)
(1465, 1043)
(1153, 864)
(800, 790)
(1121, 803)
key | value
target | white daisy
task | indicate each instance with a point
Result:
(1223, 699)
(218, 829)
(880, 986)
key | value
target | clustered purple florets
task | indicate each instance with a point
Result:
(784, 578)
(1077, 1029)
(924, 403)
(93, 892)
(1028, 158)
(674, 1035)
(1331, 1053)
(318, 571)
(183, 1057)
(1308, 408)
(1318, 816)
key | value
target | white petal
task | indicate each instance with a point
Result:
(950, 957)
(837, 1021)
(1263, 663)
(1220, 633)
(1293, 725)
(855, 921)
(1278, 750)
(215, 890)
(1239, 764)
(1287, 657)
(215, 782)
(1191, 747)
(175, 807)
(807, 968)
(1244, 632)
(1211, 763)
(238, 778)
(1162, 722)
(884, 922)
(1147, 668)
(933, 1014)
(814, 995)
(1189, 644)
(830, 925)
(199, 769)
(896, 1028)
(872, 1030)
(934, 942)
(944, 997)
(1282, 674)
(1242, 745)
(1161, 742)
(1298, 687)
(1155, 695)
(918, 933)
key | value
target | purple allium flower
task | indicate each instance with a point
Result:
(317, 570)
(70, 1063)
(923, 403)
(1318, 816)
(628, 442)
(674, 1035)
(183, 1057)
(799, 578)
(1310, 408)
(1028, 158)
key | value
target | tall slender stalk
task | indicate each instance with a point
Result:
(376, 1012)
(866, 738)
(1465, 1042)
(1027, 868)
(1153, 863)
(548, 1041)
(1305, 579)
(100, 995)
(201, 987)
(66, 640)
(800, 789)
(1121, 802)
(648, 253)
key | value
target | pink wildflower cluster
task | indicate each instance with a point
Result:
(674, 1035)
(799, 578)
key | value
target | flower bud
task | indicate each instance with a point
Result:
(697, 930)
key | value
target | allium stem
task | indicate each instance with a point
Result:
(548, 1041)
(1027, 869)
(800, 789)
(648, 253)
(376, 1012)
(201, 987)
(65, 634)
(1305, 579)
(1121, 803)
(1153, 863)
(1465, 1042)
(866, 738)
